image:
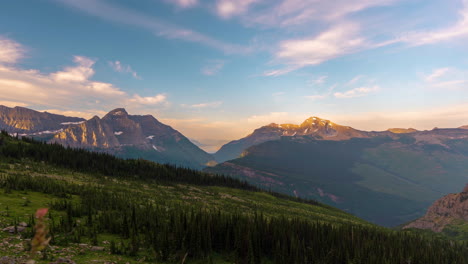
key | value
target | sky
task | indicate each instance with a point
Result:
(217, 69)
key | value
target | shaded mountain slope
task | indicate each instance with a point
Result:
(386, 180)
(451, 209)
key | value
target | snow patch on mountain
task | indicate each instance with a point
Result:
(72, 123)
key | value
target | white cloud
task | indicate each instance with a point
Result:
(119, 67)
(154, 100)
(79, 73)
(319, 80)
(337, 41)
(355, 79)
(436, 74)
(70, 88)
(275, 73)
(87, 114)
(213, 67)
(215, 104)
(459, 29)
(446, 78)
(229, 8)
(117, 14)
(287, 13)
(184, 3)
(13, 103)
(344, 36)
(10, 51)
(356, 92)
(316, 97)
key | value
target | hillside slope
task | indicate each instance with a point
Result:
(448, 215)
(119, 210)
(384, 180)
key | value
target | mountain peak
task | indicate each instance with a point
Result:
(314, 120)
(118, 112)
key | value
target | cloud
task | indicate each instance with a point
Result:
(337, 41)
(356, 92)
(287, 13)
(154, 100)
(205, 105)
(355, 79)
(275, 73)
(13, 103)
(84, 114)
(317, 96)
(446, 78)
(184, 3)
(70, 88)
(160, 28)
(119, 67)
(229, 8)
(79, 73)
(459, 29)
(10, 51)
(213, 67)
(344, 35)
(319, 80)
(436, 74)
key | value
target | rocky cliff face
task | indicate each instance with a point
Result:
(26, 121)
(134, 136)
(443, 212)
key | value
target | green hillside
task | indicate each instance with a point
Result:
(382, 180)
(138, 211)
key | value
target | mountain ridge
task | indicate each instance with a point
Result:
(117, 132)
(134, 136)
(24, 120)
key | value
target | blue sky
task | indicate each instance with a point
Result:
(217, 69)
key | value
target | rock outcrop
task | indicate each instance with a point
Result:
(443, 212)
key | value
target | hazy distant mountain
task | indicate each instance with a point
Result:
(402, 130)
(26, 121)
(313, 127)
(134, 136)
(383, 177)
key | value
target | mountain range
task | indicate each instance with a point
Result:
(388, 177)
(128, 136)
